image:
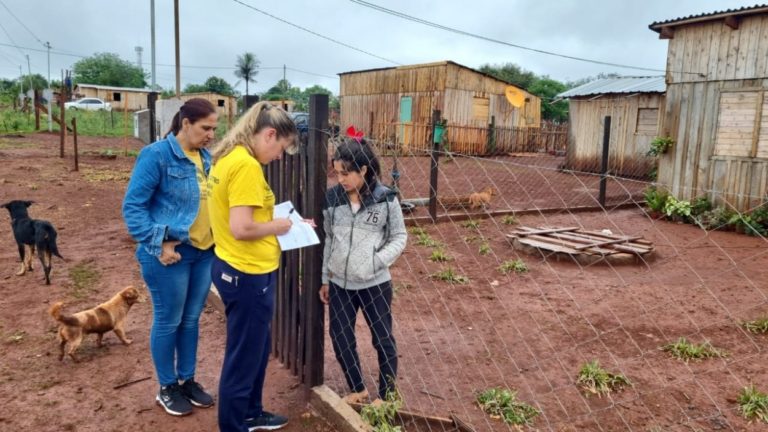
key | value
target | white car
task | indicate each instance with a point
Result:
(89, 104)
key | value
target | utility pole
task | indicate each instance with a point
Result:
(285, 91)
(152, 18)
(50, 89)
(178, 56)
(29, 72)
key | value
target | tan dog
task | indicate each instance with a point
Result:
(108, 316)
(481, 199)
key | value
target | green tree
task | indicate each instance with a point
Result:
(547, 88)
(247, 68)
(108, 69)
(510, 73)
(35, 80)
(333, 101)
(213, 84)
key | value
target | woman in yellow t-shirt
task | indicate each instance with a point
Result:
(247, 256)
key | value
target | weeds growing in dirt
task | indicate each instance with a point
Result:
(599, 381)
(471, 224)
(450, 276)
(517, 266)
(470, 239)
(439, 255)
(400, 287)
(510, 220)
(381, 415)
(503, 404)
(426, 240)
(684, 350)
(484, 249)
(93, 175)
(417, 231)
(753, 404)
(756, 326)
(16, 337)
(83, 277)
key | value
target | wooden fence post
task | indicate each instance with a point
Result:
(313, 312)
(74, 135)
(604, 166)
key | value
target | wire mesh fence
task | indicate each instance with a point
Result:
(501, 335)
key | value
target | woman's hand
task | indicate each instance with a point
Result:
(324, 294)
(310, 222)
(281, 226)
(168, 255)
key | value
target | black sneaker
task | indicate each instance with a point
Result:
(172, 399)
(266, 422)
(194, 393)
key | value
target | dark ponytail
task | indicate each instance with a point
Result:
(355, 155)
(193, 110)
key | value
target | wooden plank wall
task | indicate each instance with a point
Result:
(690, 168)
(712, 51)
(627, 147)
(130, 100)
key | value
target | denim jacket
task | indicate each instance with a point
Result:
(163, 196)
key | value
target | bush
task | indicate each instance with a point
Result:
(678, 210)
(655, 199)
(660, 145)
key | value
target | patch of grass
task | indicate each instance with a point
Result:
(83, 277)
(45, 385)
(417, 231)
(756, 326)
(439, 255)
(470, 239)
(517, 266)
(471, 224)
(94, 176)
(132, 153)
(484, 249)
(510, 220)
(449, 275)
(753, 404)
(426, 240)
(8, 144)
(16, 337)
(380, 416)
(400, 287)
(684, 350)
(503, 404)
(599, 381)
(33, 186)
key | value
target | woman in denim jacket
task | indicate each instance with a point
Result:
(166, 211)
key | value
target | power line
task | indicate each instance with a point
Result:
(11, 39)
(488, 39)
(317, 34)
(311, 73)
(22, 24)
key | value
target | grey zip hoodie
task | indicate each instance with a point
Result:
(360, 247)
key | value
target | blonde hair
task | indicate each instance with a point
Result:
(259, 116)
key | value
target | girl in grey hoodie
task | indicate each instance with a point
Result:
(364, 235)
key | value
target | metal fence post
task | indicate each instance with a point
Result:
(433, 168)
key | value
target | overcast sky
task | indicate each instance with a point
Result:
(215, 32)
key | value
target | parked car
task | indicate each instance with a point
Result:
(89, 104)
(302, 124)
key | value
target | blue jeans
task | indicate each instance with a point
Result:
(178, 295)
(249, 301)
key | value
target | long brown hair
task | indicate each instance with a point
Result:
(192, 110)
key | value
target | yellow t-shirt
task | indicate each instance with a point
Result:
(238, 180)
(200, 234)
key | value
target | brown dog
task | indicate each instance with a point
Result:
(481, 199)
(108, 316)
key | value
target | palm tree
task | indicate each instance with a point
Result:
(247, 68)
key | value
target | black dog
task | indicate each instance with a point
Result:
(35, 234)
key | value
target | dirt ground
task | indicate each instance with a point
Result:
(39, 393)
(529, 332)
(533, 332)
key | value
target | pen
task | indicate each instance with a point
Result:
(291, 210)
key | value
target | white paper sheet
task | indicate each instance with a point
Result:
(301, 233)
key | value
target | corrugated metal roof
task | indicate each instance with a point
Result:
(618, 85)
(746, 10)
(103, 87)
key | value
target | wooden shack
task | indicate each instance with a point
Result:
(395, 105)
(225, 105)
(121, 98)
(634, 104)
(716, 109)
